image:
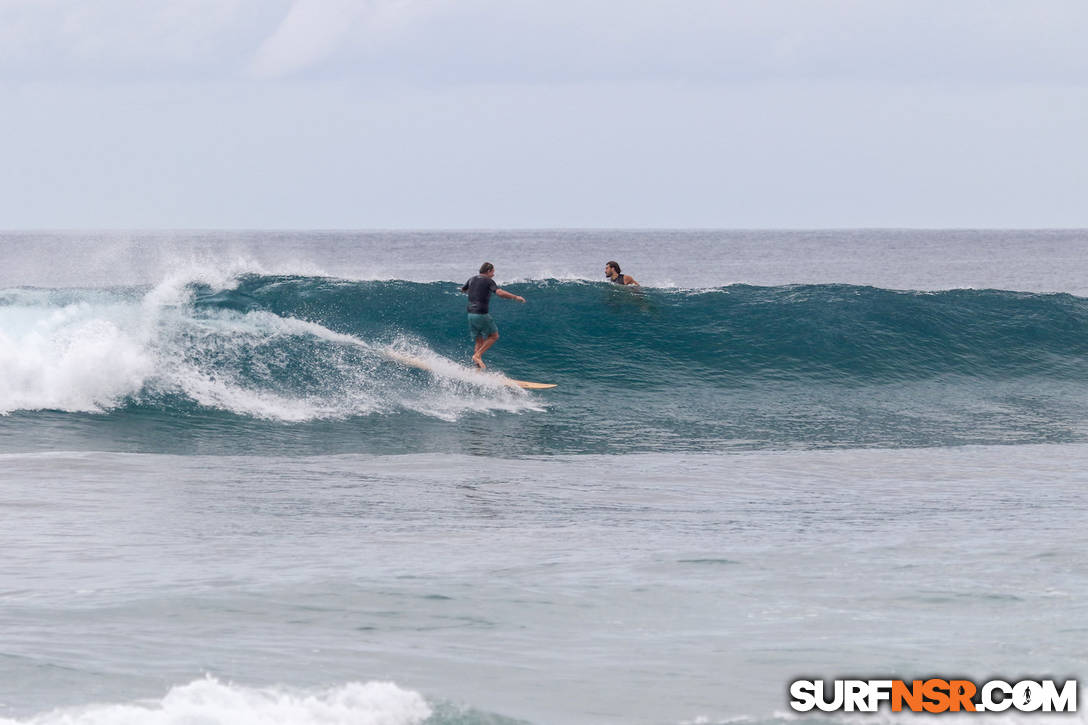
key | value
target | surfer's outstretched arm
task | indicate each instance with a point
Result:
(503, 293)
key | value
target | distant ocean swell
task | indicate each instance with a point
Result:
(293, 349)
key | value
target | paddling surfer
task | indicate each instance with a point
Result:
(612, 272)
(484, 330)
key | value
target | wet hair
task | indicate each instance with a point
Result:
(615, 266)
(486, 267)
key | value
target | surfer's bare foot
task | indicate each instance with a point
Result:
(479, 362)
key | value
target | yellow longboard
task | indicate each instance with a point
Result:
(530, 386)
(416, 362)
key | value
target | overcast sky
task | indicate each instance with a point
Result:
(549, 113)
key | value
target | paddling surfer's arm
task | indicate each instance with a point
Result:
(503, 293)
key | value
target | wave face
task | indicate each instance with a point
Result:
(303, 363)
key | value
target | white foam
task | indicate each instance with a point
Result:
(210, 702)
(76, 358)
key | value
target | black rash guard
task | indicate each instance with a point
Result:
(479, 290)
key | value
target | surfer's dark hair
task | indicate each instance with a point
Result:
(486, 267)
(615, 266)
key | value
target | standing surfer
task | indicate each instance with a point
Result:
(612, 271)
(484, 330)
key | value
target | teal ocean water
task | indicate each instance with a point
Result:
(262, 363)
(786, 454)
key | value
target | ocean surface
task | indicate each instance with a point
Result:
(785, 455)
